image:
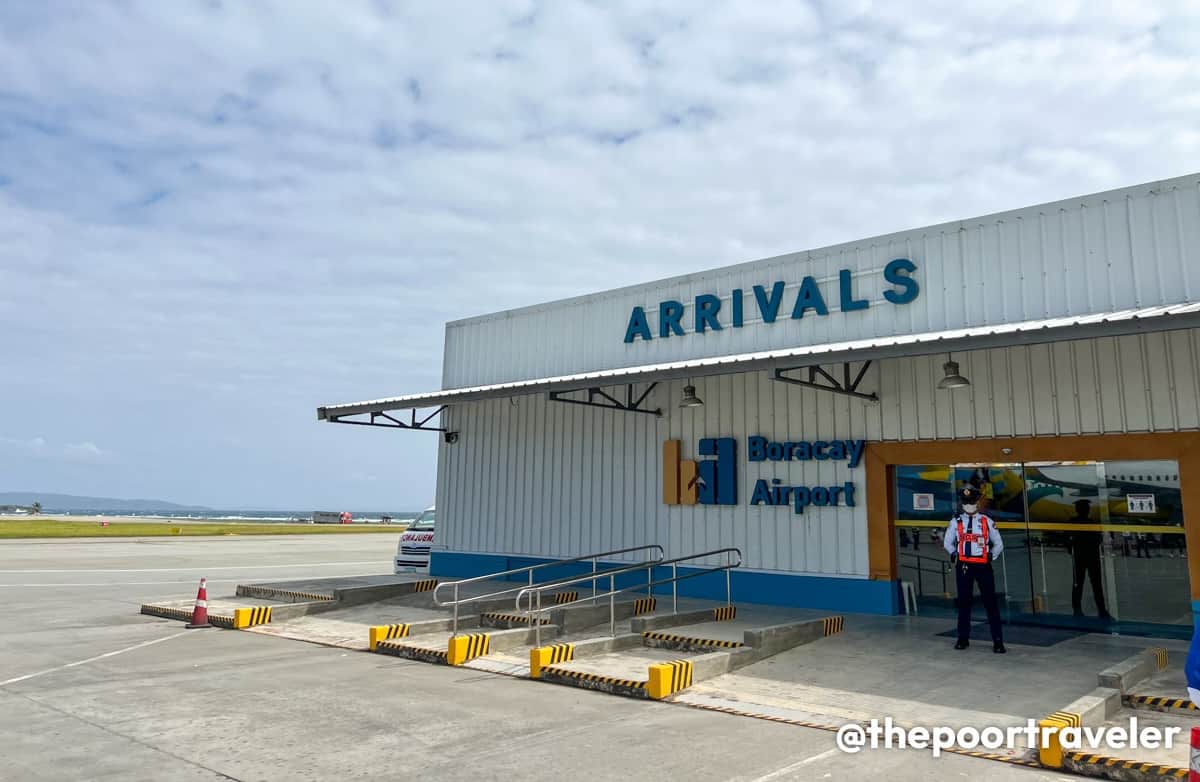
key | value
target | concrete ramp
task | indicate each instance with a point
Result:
(231, 613)
(1146, 690)
(345, 590)
(263, 603)
(351, 624)
(657, 664)
(619, 673)
(450, 649)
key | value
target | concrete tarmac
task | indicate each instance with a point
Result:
(90, 689)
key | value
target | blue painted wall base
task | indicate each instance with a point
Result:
(855, 595)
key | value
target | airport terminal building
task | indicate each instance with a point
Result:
(817, 410)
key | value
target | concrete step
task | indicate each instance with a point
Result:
(654, 664)
(506, 620)
(1171, 704)
(574, 615)
(1141, 762)
(351, 628)
(449, 649)
(344, 590)
(258, 604)
(232, 613)
(620, 673)
(401, 616)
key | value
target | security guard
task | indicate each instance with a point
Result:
(973, 542)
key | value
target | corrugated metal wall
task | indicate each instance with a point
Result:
(530, 476)
(1134, 247)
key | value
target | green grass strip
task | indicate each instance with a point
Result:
(74, 528)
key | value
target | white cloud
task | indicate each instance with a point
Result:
(229, 213)
(38, 448)
(84, 453)
(34, 446)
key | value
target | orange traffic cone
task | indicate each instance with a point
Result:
(200, 612)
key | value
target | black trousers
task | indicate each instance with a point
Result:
(1087, 562)
(968, 574)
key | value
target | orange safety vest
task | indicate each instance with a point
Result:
(966, 538)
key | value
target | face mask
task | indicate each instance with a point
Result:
(969, 508)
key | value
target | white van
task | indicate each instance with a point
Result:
(412, 553)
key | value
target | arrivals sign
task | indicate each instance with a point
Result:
(713, 481)
(768, 303)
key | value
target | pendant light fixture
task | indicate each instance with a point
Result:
(953, 378)
(689, 397)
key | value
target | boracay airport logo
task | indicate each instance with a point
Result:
(703, 481)
(713, 481)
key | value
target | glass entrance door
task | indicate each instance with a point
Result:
(1089, 545)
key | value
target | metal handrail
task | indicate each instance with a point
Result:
(456, 602)
(534, 614)
(943, 569)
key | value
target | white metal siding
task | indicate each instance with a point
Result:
(530, 476)
(1127, 248)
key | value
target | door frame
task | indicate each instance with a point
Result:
(881, 458)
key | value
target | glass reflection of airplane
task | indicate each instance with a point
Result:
(1051, 490)
(1123, 477)
(1001, 484)
(1120, 479)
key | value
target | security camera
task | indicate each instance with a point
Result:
(450, 437)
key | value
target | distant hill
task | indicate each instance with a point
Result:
(72, 502)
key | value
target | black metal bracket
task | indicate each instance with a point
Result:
(821, 380)
(391, 422)
(630, 405)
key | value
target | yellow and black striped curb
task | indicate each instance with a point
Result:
(668, 678)
(379, 633)
(185, 615)
(507, 618)
(971, 753)
(1084, 763)
(1019, 761)
(565, 597)
(410, 652)
(833, 624)
(685, 643)
(248, 617)
(461, 648)
(1159, 703)
(425, 585)
(724, 613)
(1050, 750)
(542, 656)
(1160, 657)
(268, 594)
(594, 681)
(644, 605)
(1069, 718)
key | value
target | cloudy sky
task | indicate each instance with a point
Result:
(215, 216)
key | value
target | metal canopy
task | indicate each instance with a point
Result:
(1148, 319)
(820, 379)
(382, 419)
(598, 397)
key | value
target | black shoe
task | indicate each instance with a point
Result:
(962, 643)
(998, 648)
(1078, 613)
(1106, 616)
